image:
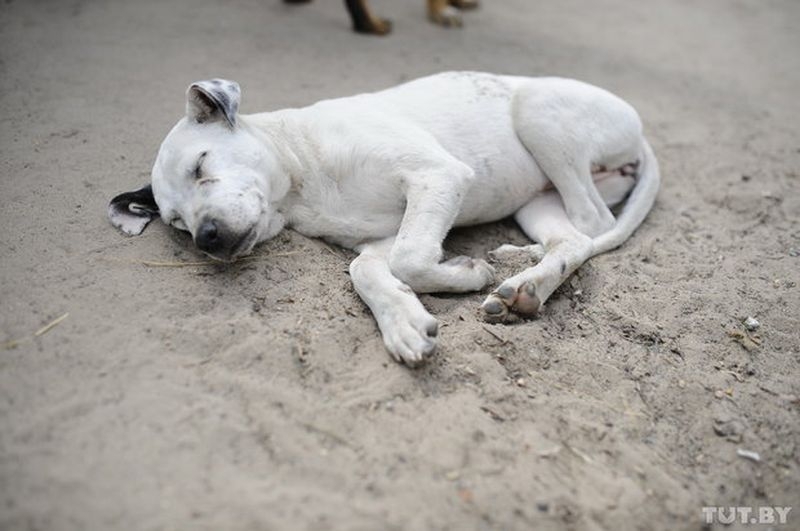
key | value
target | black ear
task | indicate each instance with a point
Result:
(214, 99)
(132, 211)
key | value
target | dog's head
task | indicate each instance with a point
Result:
(210, 178)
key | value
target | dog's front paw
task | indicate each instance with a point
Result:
(409, 337)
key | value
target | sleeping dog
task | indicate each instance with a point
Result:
(443, 12)
(389, 173)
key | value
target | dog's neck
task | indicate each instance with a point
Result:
(289, 143)
(296, 151)
(301, 177)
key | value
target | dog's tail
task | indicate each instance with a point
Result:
(636, 207)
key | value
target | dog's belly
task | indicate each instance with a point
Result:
(503, 184)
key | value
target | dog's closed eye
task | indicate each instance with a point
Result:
(198, 169)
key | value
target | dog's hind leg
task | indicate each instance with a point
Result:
(545, 220)
(433, 201)
(570, 129)
(408, 330)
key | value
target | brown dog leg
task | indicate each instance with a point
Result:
(444, 14)
(363, 19)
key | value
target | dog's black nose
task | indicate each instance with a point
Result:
(207, 238)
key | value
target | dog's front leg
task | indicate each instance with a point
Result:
(408, 330)
(433, 201)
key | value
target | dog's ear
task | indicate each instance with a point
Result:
(132, 211)
(214, 99)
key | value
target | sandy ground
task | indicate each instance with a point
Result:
(259, 396)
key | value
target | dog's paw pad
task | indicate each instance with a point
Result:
(494, 309)
(507, 293)
(507, 303)
(527, 303)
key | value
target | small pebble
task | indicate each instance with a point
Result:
(747, 454)
(751, 323)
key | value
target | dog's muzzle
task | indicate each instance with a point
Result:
(215, 239)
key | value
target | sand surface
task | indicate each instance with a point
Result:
(259, 396)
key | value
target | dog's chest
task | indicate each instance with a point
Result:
(344, 213)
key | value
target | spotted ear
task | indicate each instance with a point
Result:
(215, 99)
(132, 211)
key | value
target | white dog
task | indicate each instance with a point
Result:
(390, 173)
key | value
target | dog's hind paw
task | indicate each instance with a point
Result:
(507, 301)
